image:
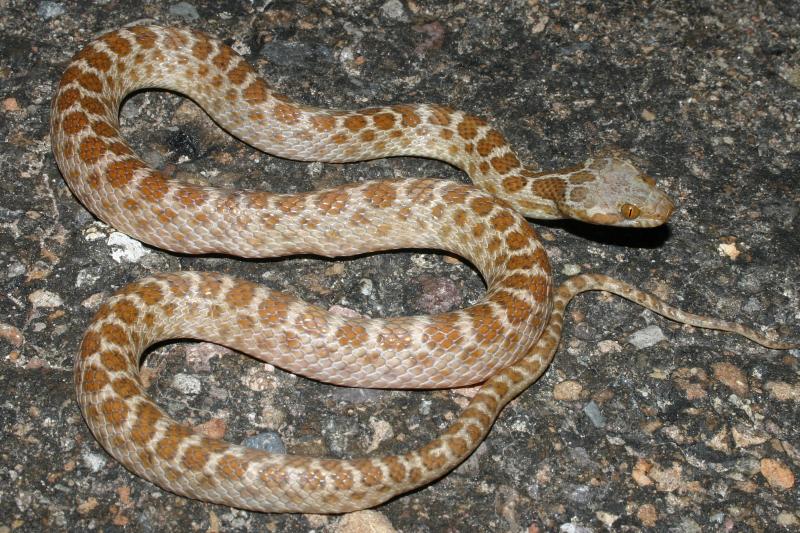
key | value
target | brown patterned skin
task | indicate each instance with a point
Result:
(512, 325)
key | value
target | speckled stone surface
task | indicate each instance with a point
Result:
(640, 424)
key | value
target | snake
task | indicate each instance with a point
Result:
(504, 341)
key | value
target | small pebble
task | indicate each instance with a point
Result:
(646, 337)
(269, 441)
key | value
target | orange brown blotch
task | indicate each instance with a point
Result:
(432, 457)
(313, 321)
(91, 150)
(96, 59)
(312, 480)
(440, 115)
(154, 186)
(114, 334)
(540, 257)
(355, 122)
(257, 92)
(120, 173)
(125, 387)
(380, 194)
(521, 262)
(323, 123)
(239, 73)
(90, 82)
(145, 37)
(484, 325)
(457, 446)
(70, 75)
(223, 57)
(167, 446)
(274, 477)
(258, 199)
(241, 294)
(352, 335)
(409, 117)
(531, 367)
(498, 387)
(104, 129)
(486, 399)
(513, 375)
(396, 469)
(150, 293)
(493, 139)
(394, 338)
(550, 189)
(460, 218)
(332, 202)
(482, 205)
(383, 121)
(210, 286)
(113, 360)
(367, 136)
(191, 196)
(275, 308)
(74, 122)
(513, 183)
(93, 105)
(474, 432)
(503, 221)
(165, 216)
(286, 113)
(195, 458)
(441, 335)
(201, 48)
(291, 204)
(67, 98)
(340, 138)
(468, 127)
(257, 115)
(505, 163)
(94, 379)
(125, 311)
(516, 240)
(231, 467)
(342, 479)
(90, 344)
(169, 309)
(117, 44)
(176, 39)
(115, 411)
(482, 420)
(371, 475)
(456, 194)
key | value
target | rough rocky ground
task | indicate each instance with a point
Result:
(639, 424)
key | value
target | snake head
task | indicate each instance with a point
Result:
(609, 190)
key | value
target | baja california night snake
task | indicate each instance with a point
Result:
(505, 340)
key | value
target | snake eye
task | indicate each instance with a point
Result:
(630, 211)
